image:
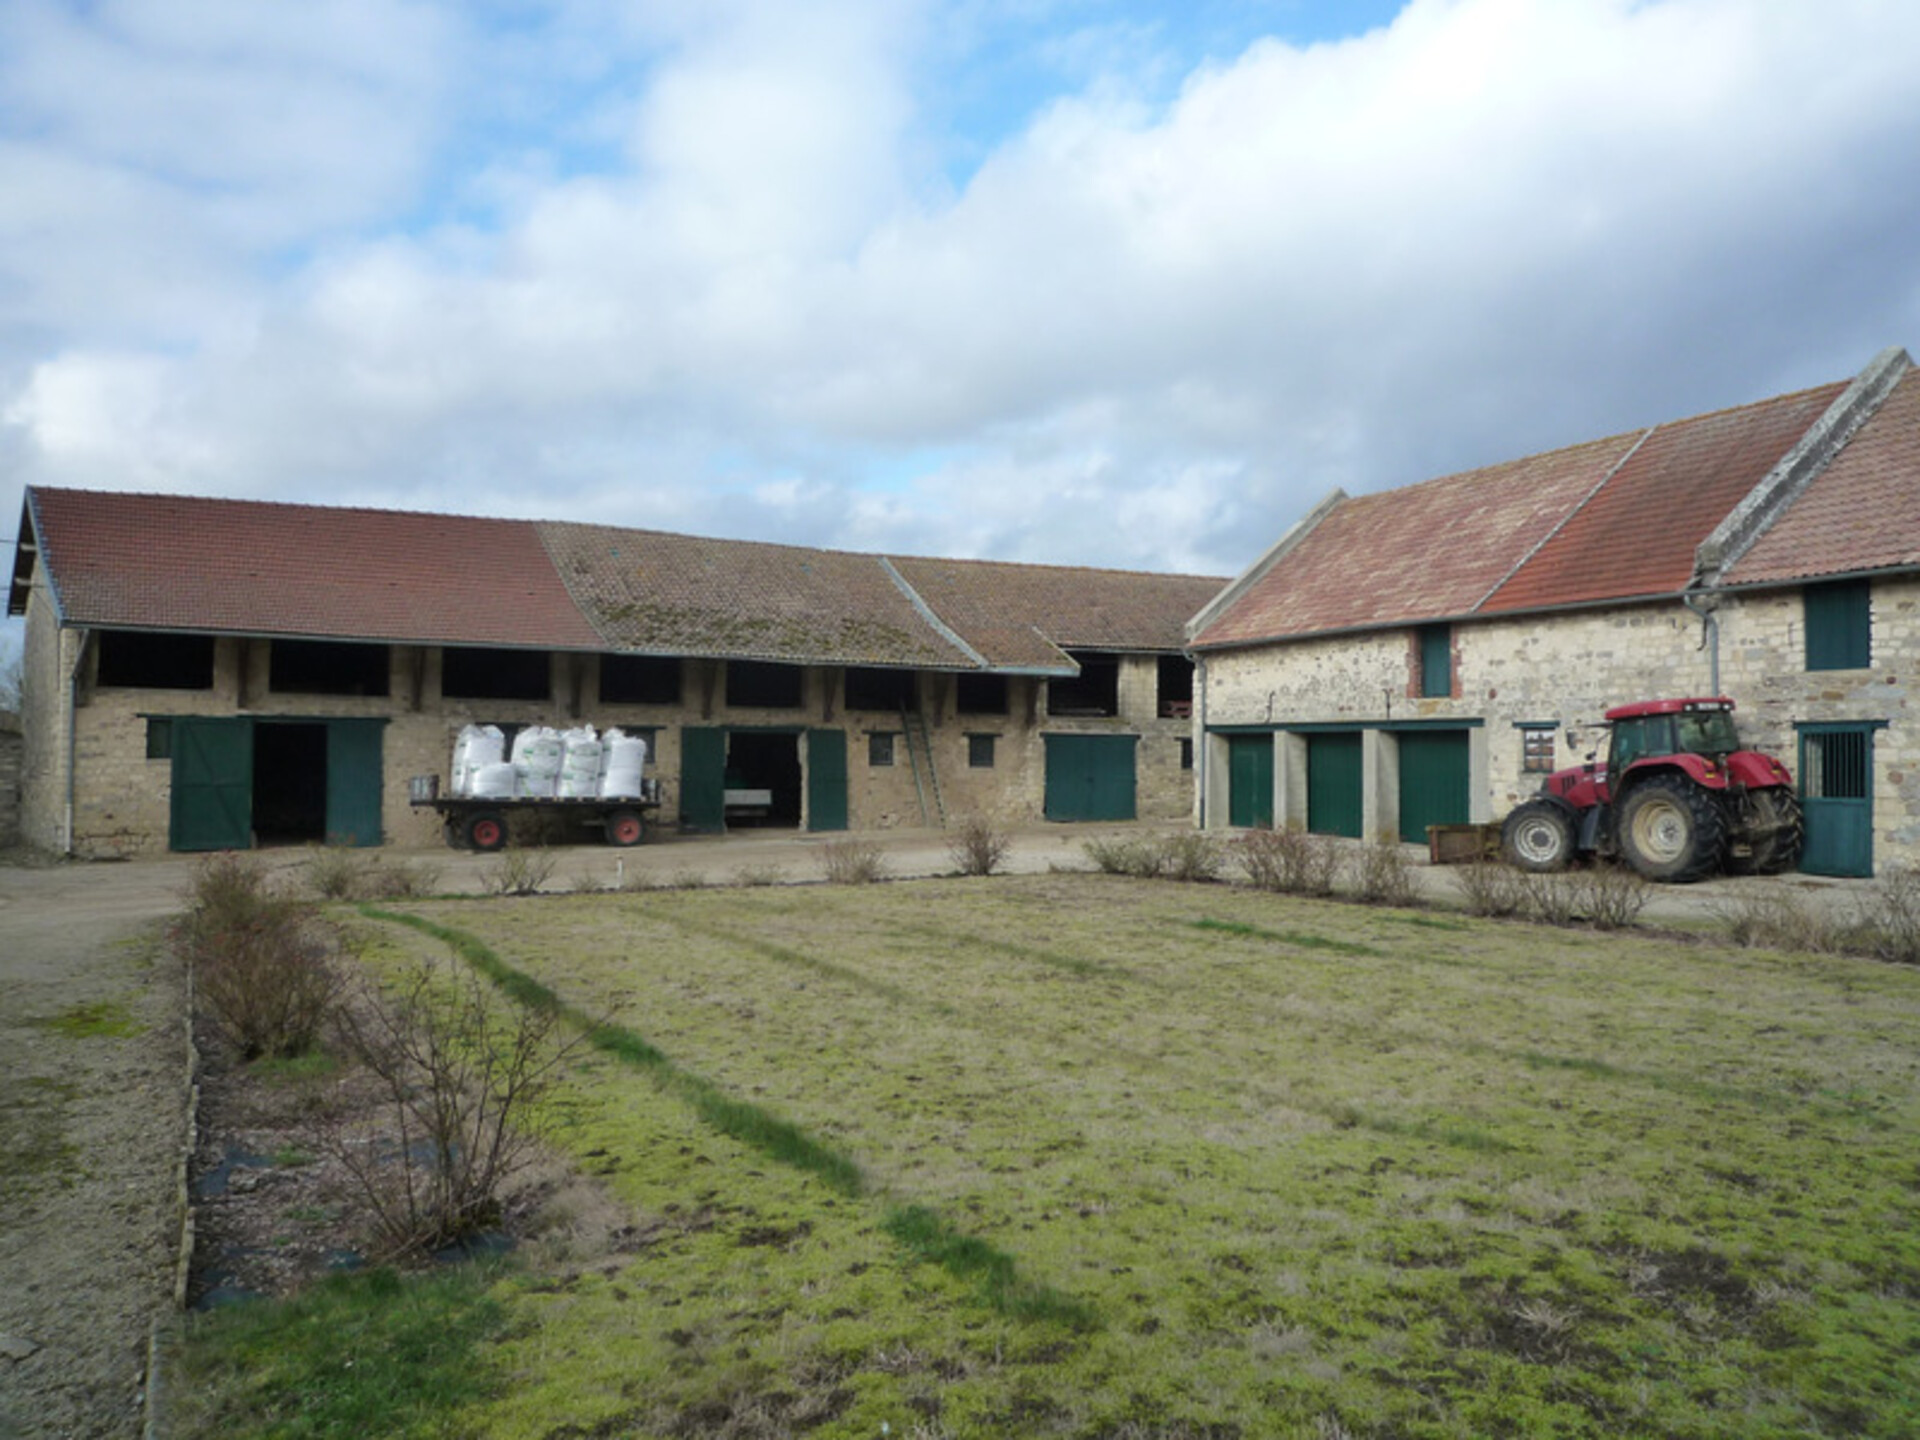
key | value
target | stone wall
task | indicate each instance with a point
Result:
(122, 799)
(1566, 671)
(12, 759)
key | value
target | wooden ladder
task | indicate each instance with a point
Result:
(919, 745)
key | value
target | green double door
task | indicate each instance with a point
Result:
(1090, 777)
(216, 785)
(1434, 787)
(703, 778)
(1250, 781)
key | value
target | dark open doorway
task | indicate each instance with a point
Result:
(289, 783)
(770, 761)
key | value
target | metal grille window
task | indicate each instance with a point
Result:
(1837, 765)
(980, 751)
(1839, 625)
(880, 749)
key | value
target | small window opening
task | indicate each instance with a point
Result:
(869, 688)
(982, 695)
(474, 673)
(639, 680)
(980, 751)
(1176, 687)
(155, 662)
(1094, 691)
(328, 667)
(879, 749)
(763, 685)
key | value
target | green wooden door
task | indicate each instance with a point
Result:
(354, 772)
(1090, 777)
(1333, 784)
(703, 778)
(826, 779)
(1433, 781)
(212, 784)
(1250, 781)
(1836, 794)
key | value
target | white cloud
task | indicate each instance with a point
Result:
(711, 275)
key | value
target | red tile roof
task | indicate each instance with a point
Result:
(249, 567)
(1425, 552)
(1022, 617)
(1638, 533)
(169, 562)
(1613, 520)
(1861, 513)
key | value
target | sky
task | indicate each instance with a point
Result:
(1071, 281)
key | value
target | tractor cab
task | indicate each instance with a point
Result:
(1654, 729)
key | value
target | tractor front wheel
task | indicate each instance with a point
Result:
(1538, 836)
(1668, 828)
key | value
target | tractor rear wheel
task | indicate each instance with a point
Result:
(1668, 828)
(1778, 831)
(1538, 836)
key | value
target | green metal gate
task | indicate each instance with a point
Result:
(1090, 777)
(1836, 794)
(1250, 781)
(212, 784)
(353, 781)
(703, 778)
(1434, 787)
(826, 780)
(1333, 784)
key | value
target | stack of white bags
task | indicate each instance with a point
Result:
(546, 763)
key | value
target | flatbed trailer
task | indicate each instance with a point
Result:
(479, 822)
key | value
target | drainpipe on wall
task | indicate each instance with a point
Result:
(1709, 634)
(73, 706)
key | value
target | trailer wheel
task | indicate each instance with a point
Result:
(1538, 836)
(486, 830)
(1671, 829)
(625, 828)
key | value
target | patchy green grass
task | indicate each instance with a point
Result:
(1117, 1158)
(99, 1018)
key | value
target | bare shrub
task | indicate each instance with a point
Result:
(334, 873)
(1140, 857)
(462, 1074)
(1553, 899)
(758, 876)
(978, 847)
(1888, 920)
(1612, 896)
(1290, 860)
(1492, 888)
(1770, 917)
(1192, 857)
(852, 862)
(263, 962)
(1382, 874)
(398, 879)
(519, 871)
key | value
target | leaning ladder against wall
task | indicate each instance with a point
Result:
(919, 748)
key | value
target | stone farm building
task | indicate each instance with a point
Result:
(205, 673)
(1425, 655)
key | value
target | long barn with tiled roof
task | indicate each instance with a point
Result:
(207, 673)
(1423, 656)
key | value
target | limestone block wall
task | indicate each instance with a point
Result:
(1566, 670)
(12, 758)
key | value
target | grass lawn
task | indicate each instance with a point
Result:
(1082, 1156)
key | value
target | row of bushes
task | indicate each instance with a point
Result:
(1286, 861)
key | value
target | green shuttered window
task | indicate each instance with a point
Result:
(1839, 625)
(1436, 661)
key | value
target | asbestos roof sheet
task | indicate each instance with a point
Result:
(170, 562)
(1861, 513)
(657, 593)
(1023, 617)
(1638, 533)
(1428, 551)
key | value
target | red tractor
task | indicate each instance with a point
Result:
(1677, 799)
